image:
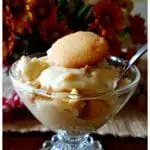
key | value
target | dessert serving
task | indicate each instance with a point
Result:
(72, 88)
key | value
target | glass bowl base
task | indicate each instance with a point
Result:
(62, 141)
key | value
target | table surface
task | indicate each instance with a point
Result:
(33, 141)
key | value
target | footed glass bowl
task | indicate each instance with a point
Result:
(74, 116)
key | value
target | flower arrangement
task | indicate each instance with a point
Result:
(31, 26)
(40, 23)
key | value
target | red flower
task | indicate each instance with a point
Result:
(52, 34)
(113, 41)
(109, 15)
(126, 4)
(109, 20)
(17, 7)
(51, 29)
(22, 24)
(40, 9)
(138, 29)
(44, 14)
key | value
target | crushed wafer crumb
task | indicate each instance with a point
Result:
(74, 91)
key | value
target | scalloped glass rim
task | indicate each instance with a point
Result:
(86, 95)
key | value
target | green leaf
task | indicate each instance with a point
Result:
(62, 3)
(88, 13)
(127, 30)
(82, 10)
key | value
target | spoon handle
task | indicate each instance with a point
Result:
(138, 54)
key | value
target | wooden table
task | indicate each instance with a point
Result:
(33, 141)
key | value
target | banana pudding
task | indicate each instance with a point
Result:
(63, 83)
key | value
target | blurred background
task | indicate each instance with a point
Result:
(31, 26)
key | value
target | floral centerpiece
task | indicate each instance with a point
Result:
(31, 26)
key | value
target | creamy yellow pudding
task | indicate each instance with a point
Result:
(68, 104)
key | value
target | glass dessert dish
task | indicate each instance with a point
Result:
(74, 115)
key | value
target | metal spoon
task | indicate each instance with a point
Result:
(134, 58)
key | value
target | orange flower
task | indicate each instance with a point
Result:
(8, 34)
(20, 14)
